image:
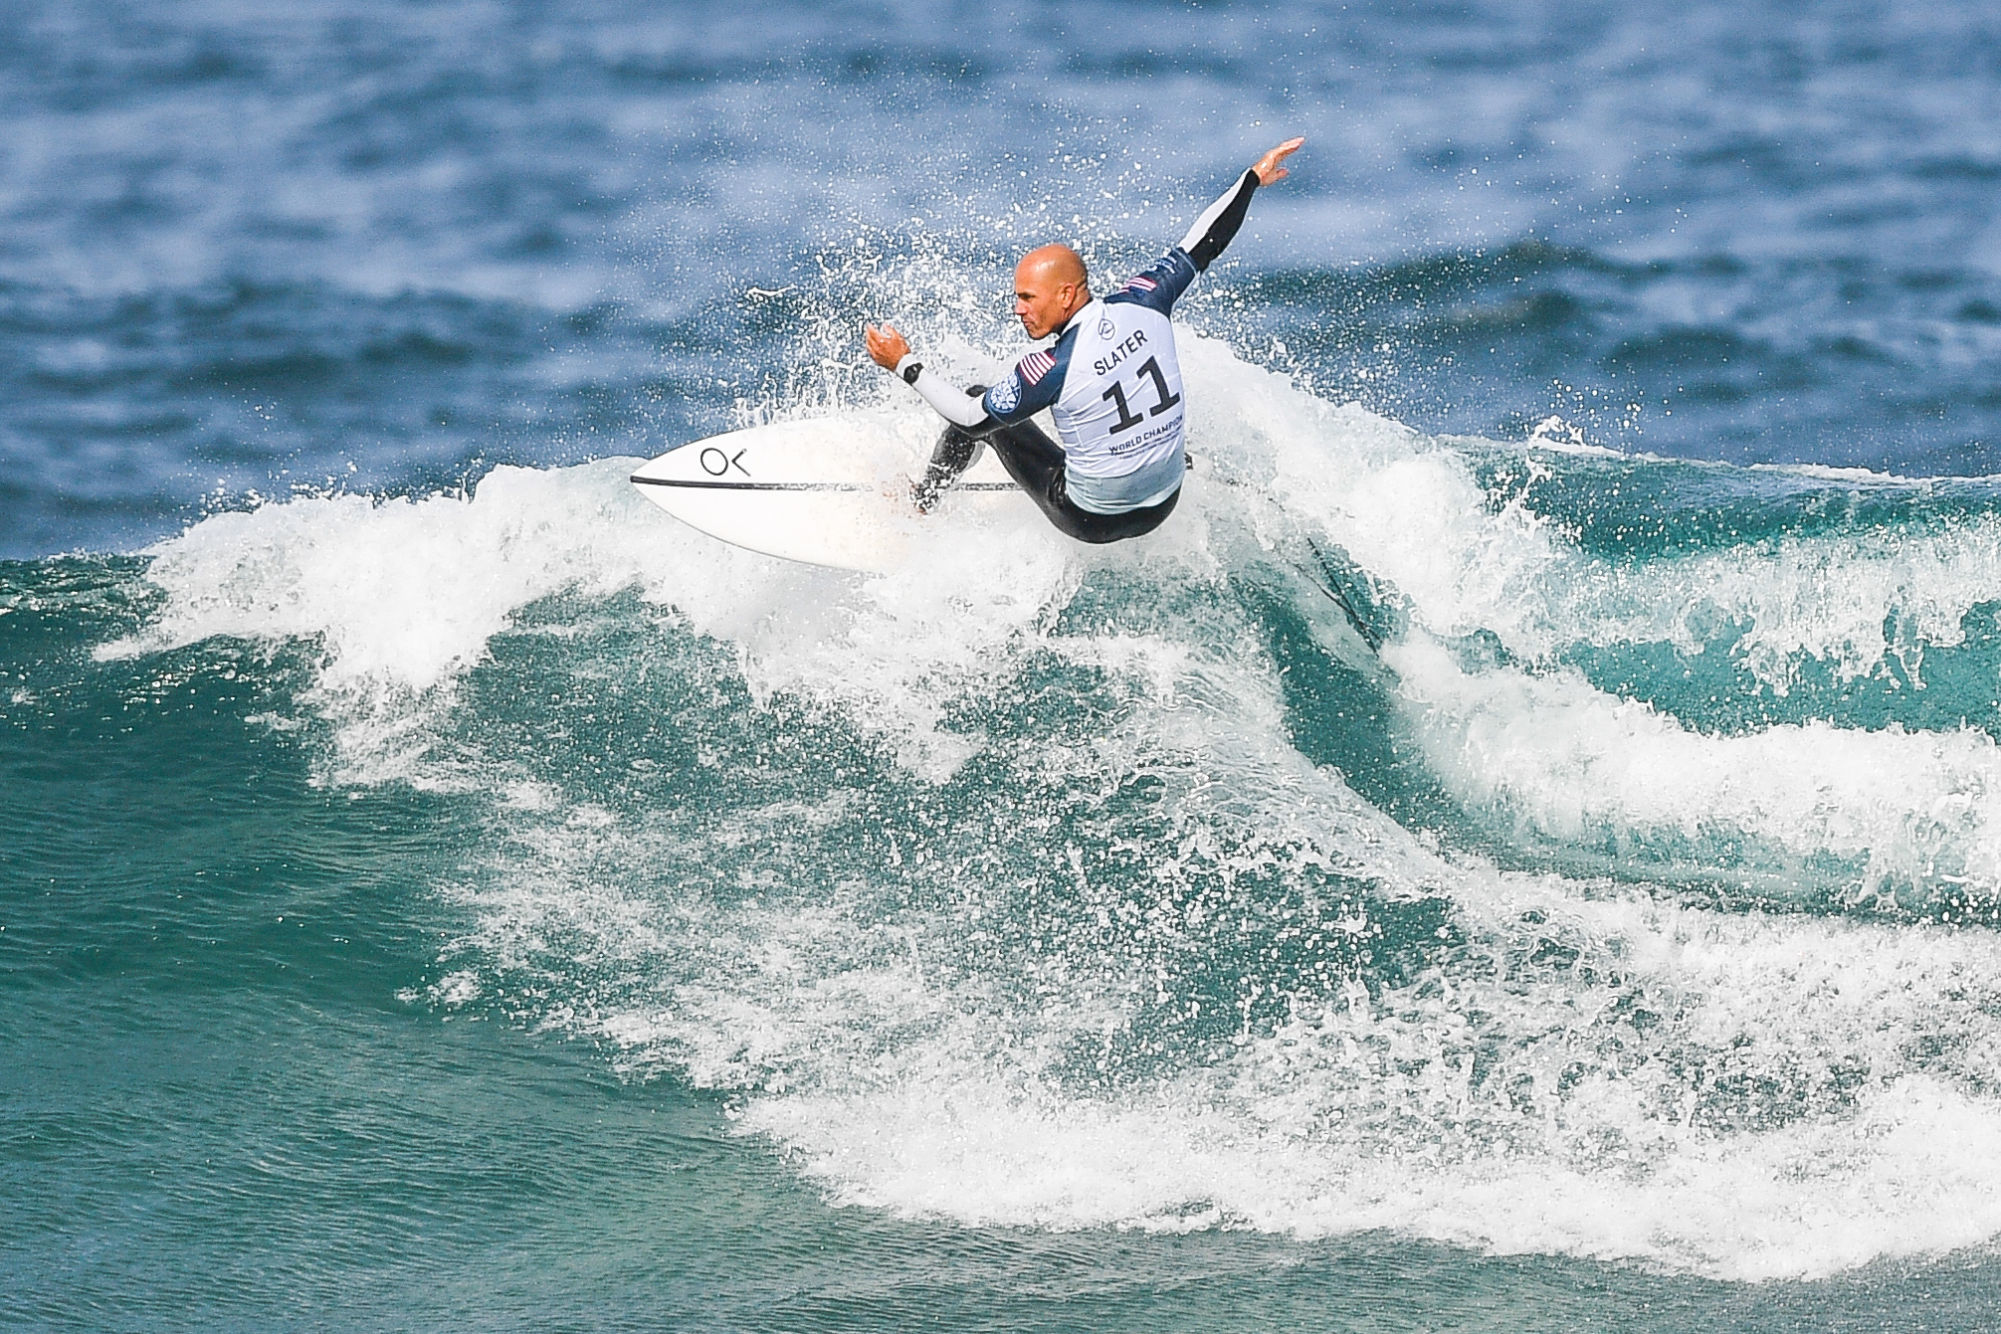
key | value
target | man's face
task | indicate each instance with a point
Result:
(1040, 302)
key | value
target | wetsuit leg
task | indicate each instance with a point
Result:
(1036, 464)
(956, 451)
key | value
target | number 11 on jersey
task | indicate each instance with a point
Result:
(1165, 400)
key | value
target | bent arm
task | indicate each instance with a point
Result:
(955, 406)
(891, 351)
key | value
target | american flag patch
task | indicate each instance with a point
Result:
(1144, 283)
(1034, 366)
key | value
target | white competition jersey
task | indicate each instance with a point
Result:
(1121, 408)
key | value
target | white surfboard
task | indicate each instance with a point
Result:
(829, 491)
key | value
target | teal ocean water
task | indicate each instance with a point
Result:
(438, 891)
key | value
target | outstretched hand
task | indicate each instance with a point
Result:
(1271, 166)
(886, 346)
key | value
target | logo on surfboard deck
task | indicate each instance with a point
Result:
(715, 463)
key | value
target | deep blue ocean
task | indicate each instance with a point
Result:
(439, 891)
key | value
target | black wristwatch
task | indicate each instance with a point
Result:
(912, 371)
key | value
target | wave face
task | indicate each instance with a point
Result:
(1635, 904)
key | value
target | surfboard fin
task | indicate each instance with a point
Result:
(1369, 607)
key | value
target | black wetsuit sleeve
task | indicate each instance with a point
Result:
(1219, 222)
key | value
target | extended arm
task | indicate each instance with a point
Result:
(1220, 221)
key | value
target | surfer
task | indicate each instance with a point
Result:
(1111, 379)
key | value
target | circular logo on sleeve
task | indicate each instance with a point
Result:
(1005, 395)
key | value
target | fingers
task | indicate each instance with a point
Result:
(886, 346)
(1271, 167)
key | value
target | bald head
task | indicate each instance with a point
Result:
(1050, 285)
(1054, 263)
